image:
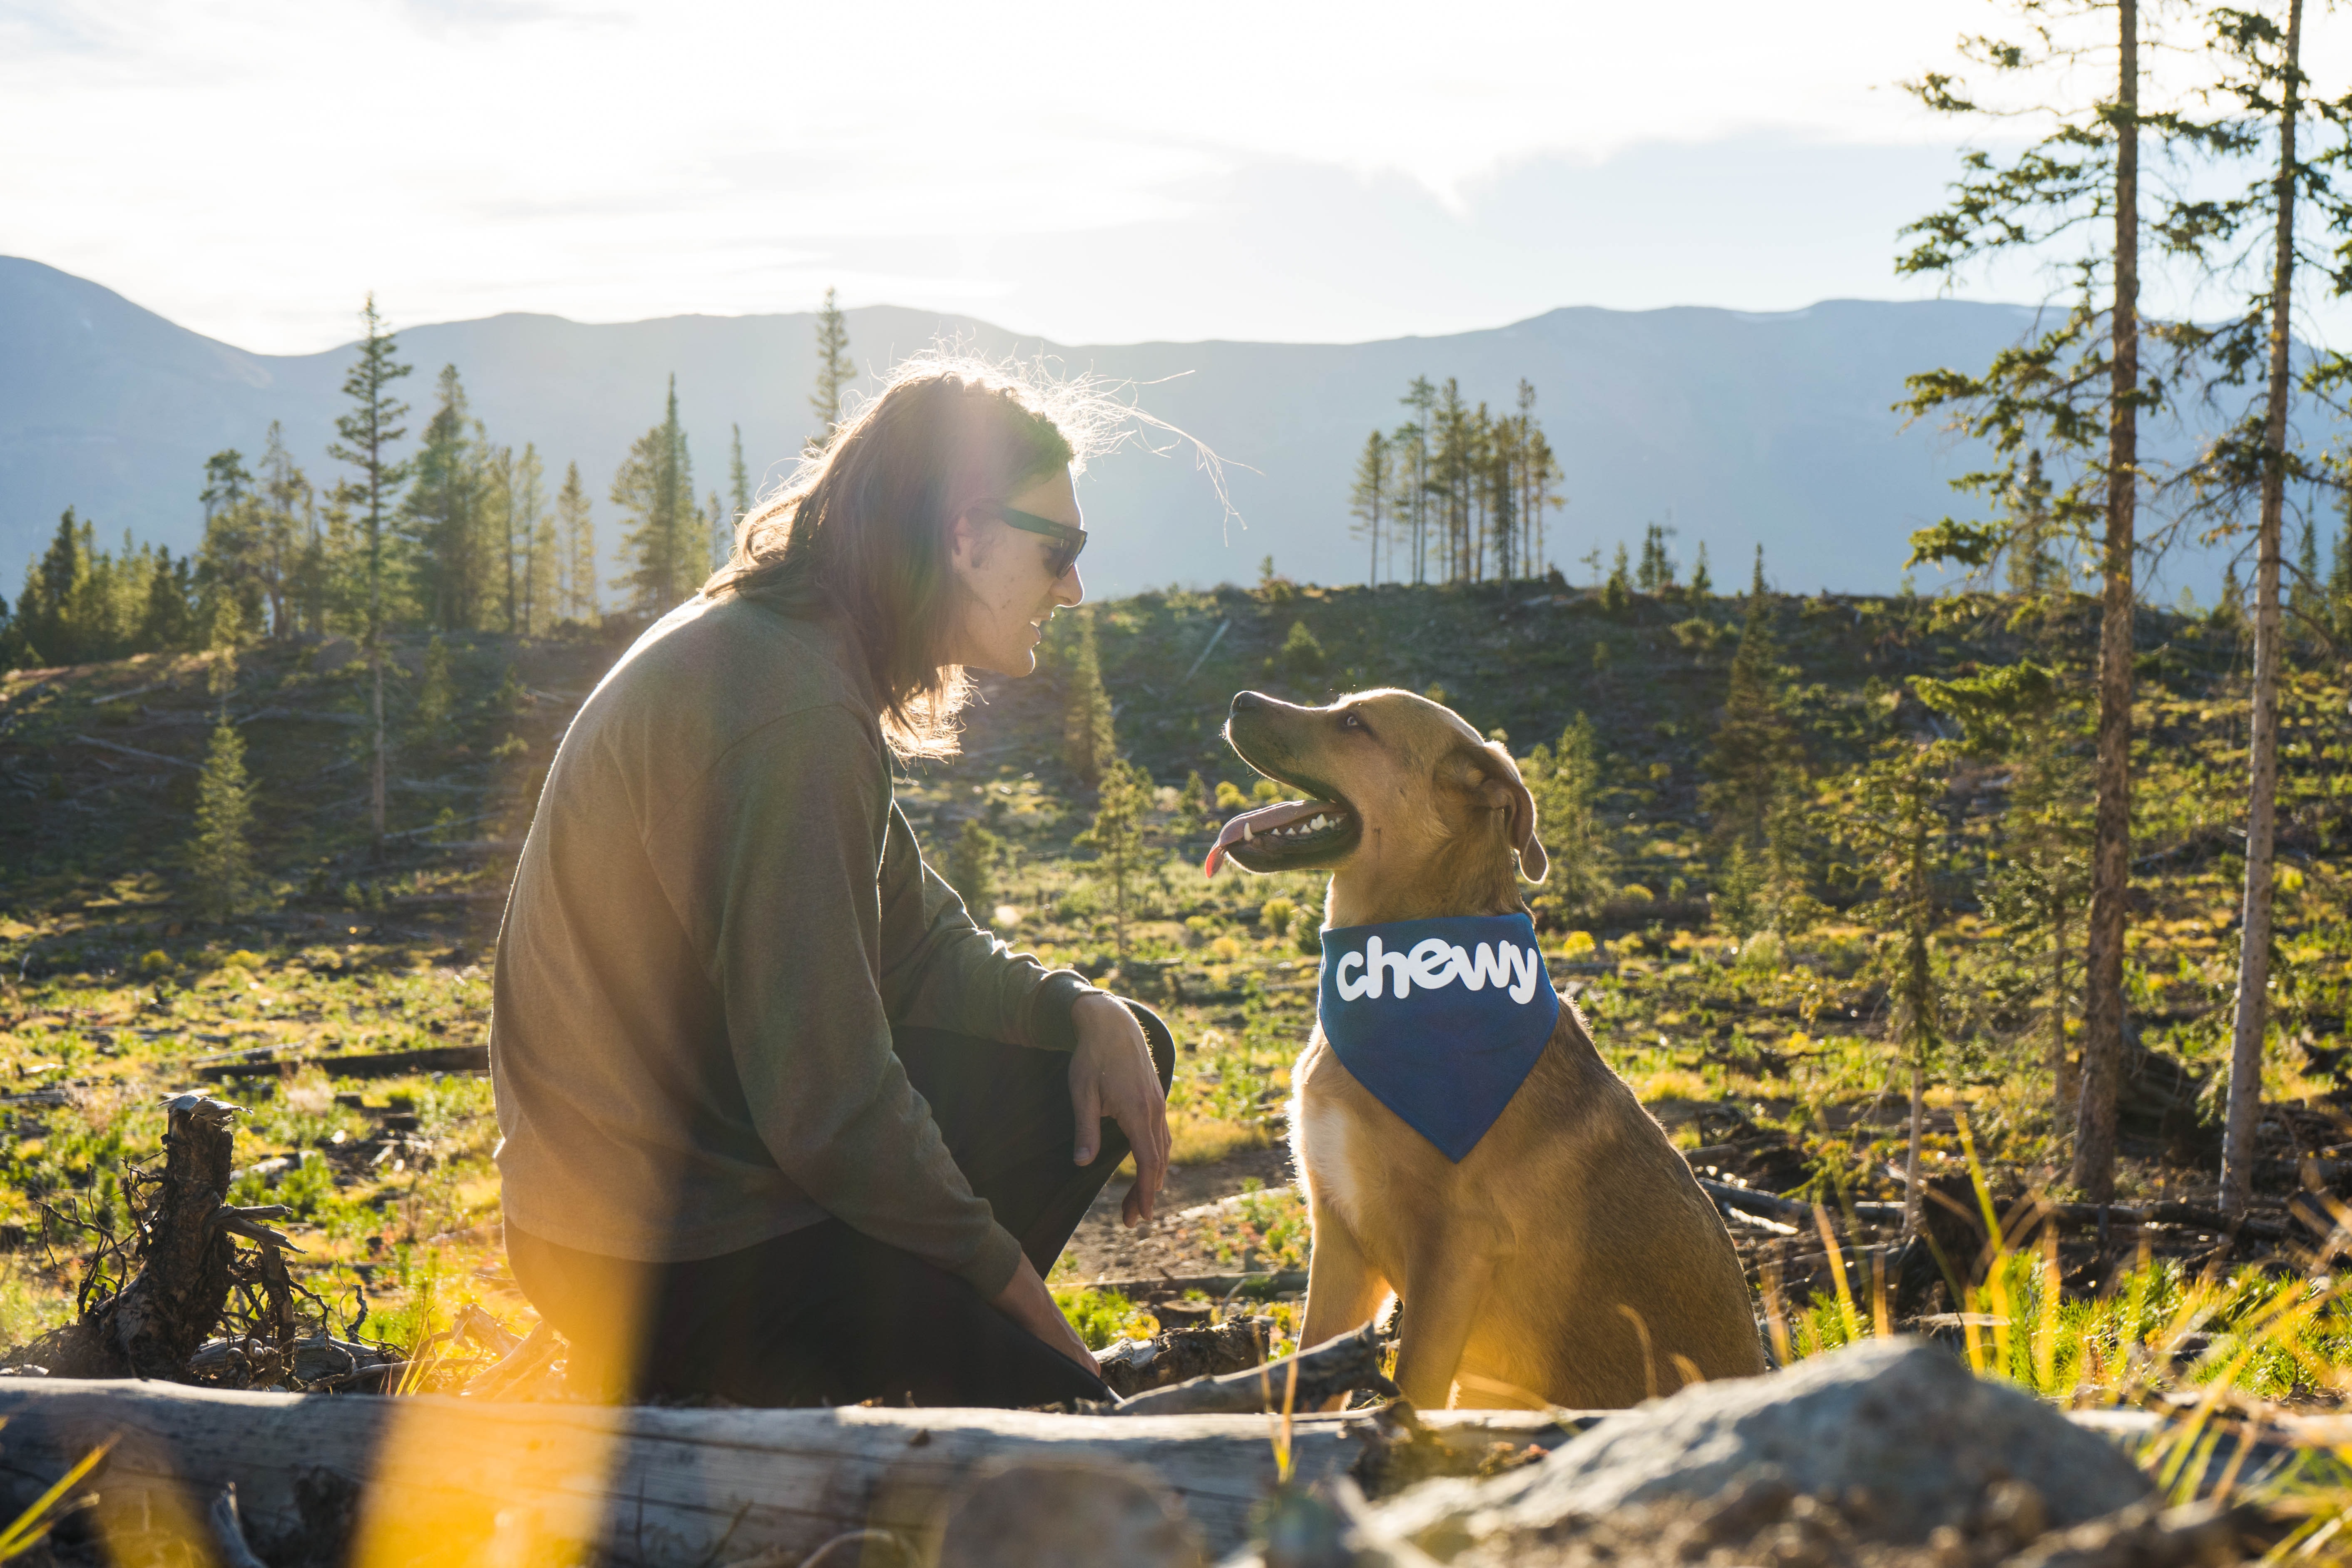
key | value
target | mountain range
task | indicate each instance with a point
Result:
(1735, 429)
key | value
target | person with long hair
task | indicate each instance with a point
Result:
(779, 1122)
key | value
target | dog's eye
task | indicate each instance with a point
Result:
(1350, 722)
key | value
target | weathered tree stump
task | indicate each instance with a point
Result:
(160, 1317)
(153, 1325)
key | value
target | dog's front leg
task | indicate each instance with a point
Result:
(1343, 1288)
(1441, 1304)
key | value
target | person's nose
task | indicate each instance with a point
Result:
(1070, 589)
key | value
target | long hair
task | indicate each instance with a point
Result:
(862, 530)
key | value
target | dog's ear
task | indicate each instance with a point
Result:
(1490, 777)
(1504, 790)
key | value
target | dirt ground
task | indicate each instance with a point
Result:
(1173, 1241)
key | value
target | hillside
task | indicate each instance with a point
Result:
(1736, 429)
(349, 1012)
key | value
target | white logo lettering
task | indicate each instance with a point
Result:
(1381, 966)
(1433, 964)
(1350, 990)
(1487, 963)
(1530, 966)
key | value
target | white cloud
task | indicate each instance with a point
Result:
(251, 168)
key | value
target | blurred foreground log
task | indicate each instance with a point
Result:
(457, 1480)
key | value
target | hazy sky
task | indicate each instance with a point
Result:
(1092, 173)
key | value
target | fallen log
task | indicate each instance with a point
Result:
(1790, 1211)
(377, 1064)
(433, 1480)
(1347, 1364)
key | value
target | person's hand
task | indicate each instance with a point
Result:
(1111, 1074)
(1027, 1302)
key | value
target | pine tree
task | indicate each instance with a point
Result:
(738, 491)
(289, 517)
(1702, 582)
(2339, 575)
(1088, 742)
(1413, 439)
(721, 531)
(2261, 69)
(436, 695)
(1565, 784)
(1369, 493)
(576, 549)
(1893, 817)
(2034, 567)
(971, 868)
(835, 369)
(1118, 837)
(363, 435)
(44, 608)
(2308, 592)
(1545, 475)
(231, 560)
(226, 482)
(2074, 392)
(449, 520)
(1755, 749)
(1192, 800)
(1656, 574)
(1502, 495)
(1617, 592)
(219, 855)
(166, 621)
(665, 542)
(533, 527)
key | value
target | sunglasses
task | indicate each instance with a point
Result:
(1067, 540)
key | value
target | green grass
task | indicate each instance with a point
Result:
(109, 985)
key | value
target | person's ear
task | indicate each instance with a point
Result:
(967, 542)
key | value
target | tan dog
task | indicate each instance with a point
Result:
(1570, 1258)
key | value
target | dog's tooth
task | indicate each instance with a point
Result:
(1317, 823)
(1247, 833)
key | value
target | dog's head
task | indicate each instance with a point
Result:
(1408, 808)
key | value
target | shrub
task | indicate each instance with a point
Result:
(1102, 1316)
(1302, 654)
(1275, 916)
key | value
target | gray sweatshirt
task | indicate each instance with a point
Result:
(718, 914)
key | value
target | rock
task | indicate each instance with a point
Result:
(1047, 1515)
(1900, 1432)
(2145, 1535)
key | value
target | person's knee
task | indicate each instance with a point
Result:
(1161, 1040)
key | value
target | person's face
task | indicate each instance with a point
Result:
(1010, 588)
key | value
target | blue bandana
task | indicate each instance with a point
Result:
(1441, 1020)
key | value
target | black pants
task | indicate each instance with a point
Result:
(826, 1315)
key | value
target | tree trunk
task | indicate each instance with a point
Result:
(2093, 1169)
(360, 1478)
(2244, 1114)
(2063, 1075)
(1911, 1157)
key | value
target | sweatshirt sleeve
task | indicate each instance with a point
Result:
(773, 866)
(941, 971)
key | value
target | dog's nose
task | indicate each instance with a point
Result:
(1245, 701)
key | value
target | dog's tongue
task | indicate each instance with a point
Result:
(1282, 813)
